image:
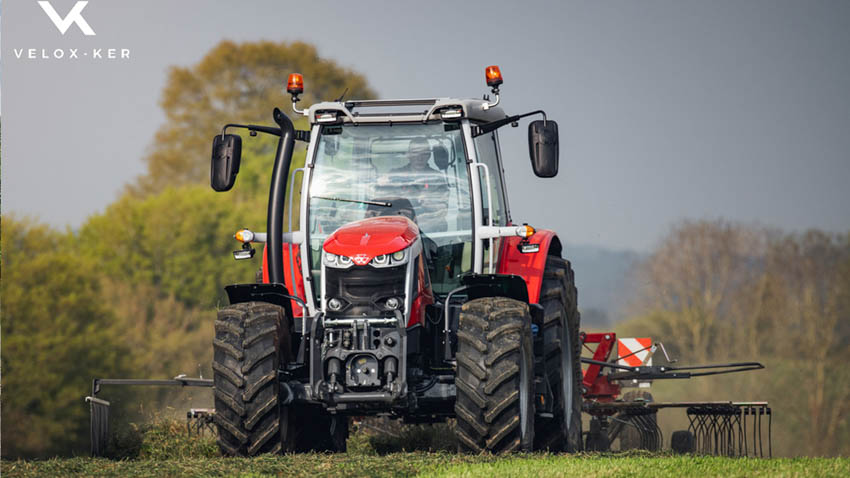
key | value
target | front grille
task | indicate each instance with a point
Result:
(365, 289)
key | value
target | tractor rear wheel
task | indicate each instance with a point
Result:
(562, 352)
(251, 343)
(495, 377)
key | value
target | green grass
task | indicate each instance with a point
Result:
(643, 465)
(165, 450)
(432, 464)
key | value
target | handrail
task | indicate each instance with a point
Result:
(289, 227)
(489, 205)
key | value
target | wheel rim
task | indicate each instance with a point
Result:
(567, 377)
(523, 395)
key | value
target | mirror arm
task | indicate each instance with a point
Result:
(253, 129)
(494, 125)
(299, 134)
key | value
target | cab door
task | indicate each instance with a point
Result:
(487, 153)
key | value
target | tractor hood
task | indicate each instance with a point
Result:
(364, 239)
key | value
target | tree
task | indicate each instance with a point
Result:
(178, 241)
(57, 335)
(715, 291)
(691, 281)
(234, 83)
(810, 308)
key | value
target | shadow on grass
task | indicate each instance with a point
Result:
(168, 438)
(385, 436)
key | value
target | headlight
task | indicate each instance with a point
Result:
(334, 304)
(332, 260)
(391, 260)
(381, 260)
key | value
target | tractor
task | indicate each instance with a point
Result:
(406, 288)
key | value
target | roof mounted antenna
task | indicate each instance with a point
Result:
(341, 96)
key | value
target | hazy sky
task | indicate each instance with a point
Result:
(667, 109)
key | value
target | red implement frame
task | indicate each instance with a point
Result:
(597, 386)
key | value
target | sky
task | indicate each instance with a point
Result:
(667, 109)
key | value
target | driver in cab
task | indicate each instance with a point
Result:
(423, 185)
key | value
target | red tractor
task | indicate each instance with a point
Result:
(407, 289)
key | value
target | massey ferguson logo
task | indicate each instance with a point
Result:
(361, 259)
(74, 16)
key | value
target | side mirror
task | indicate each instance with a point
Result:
(543, 147)
(224, 165)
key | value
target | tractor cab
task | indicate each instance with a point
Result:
(435, 162)
(416, 171)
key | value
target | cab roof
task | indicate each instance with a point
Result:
(405, 110)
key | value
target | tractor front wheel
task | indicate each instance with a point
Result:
(495, 377)
(251, 343)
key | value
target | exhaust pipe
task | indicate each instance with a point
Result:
(277, 196)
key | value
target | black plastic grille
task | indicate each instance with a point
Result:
(365, 289)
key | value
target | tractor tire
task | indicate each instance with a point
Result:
(562, 351)
(251, 343)
(495, 377)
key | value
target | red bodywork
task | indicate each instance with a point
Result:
(424, 296)
(597, 386)
(364, 239)
(530, 266)
(298, 290)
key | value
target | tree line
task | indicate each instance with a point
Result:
(715, 291)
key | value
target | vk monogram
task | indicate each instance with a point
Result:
(74, 16)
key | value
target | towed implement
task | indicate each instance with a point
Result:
(404, 288)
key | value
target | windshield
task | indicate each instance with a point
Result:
(415, 170)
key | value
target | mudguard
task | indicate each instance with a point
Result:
(529, 266)
(272, 293)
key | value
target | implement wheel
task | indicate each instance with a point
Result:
(495, 377)
(251, 343)
(561, 350)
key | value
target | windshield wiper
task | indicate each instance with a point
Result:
(370, 203)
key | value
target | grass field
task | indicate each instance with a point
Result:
(164, 451)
